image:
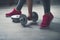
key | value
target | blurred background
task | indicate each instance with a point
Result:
(12, 2)
(15, 31)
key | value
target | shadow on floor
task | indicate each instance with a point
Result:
(55, 27)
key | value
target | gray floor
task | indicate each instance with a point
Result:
(15, 31)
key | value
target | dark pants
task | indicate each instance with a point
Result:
(46, 4)
(20, 4)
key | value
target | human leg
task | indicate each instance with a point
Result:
(47, 17)
(17, 10)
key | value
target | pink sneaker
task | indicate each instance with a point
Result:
(47, 18)
(14, 12)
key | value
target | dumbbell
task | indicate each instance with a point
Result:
(23, 19)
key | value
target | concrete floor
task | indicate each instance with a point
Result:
(15, 31)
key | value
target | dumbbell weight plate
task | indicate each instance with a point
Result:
(15, 18)
(23, 19)
(34, 16)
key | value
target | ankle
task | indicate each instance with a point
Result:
(48, 13)
(17, 10)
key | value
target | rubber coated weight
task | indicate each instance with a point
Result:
(23, 19)
(15, 18)
(34, 16)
